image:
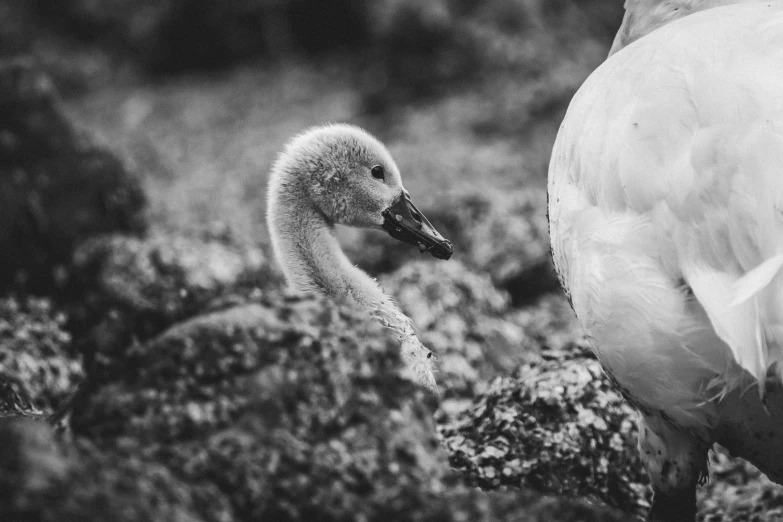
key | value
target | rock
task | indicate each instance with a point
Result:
(123, 486)
(504, 234)
(294, 410)
(463, 319)
(559, 427)
(134, 288)
(549, 322)
(32, 468)
(56, 187)
(46, 479)
(271, 404)
(281, 408)
(736, 490)
(472, 327)
(38, 367)
(164, 274)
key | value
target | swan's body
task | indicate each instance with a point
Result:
(339, 174)
(666, 221)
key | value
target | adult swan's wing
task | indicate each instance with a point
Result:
(680, 137)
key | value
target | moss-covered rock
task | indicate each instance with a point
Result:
(295, 410)
(45, 479)
(56, 187)
(134, 288)
(163, 274)
(558, 426)
(736, 490)
(291, 409)
(501, 233)
(38, 366)
(273, 403)
(463, 319)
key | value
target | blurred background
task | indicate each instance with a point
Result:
(198, 96)
(136, 137)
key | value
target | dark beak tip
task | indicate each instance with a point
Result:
(404, 222)
(445, 252)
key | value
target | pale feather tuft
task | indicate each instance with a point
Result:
(737, 324)
(756, 280)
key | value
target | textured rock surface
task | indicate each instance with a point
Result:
(502, 234)
(38, 366)
(133, 288)
(290, 409)
(558, 426)
(56, 187)
(164, 275)
(738, 491)
(46, 479)
(463, 319)
(272, 401)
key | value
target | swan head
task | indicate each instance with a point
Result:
(351, 178)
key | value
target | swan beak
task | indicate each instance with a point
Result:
(403, 221)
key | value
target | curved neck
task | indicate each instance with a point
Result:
(312, 260)
(309, 253)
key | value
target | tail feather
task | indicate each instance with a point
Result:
(756, 280)
(737, 324)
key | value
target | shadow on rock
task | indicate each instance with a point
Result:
(45, 479)
(132, 289)
(56, 187)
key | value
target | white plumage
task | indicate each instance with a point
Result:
(666, 220)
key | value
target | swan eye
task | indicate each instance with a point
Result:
(378, 172)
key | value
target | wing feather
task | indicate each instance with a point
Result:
(756, 280)
(738, 325)
(693, 143)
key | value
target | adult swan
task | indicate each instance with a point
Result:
(666, 220)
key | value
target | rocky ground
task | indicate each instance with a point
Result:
(134, 268)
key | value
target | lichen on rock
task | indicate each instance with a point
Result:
(558, 426)
(38, 366)
(462, 318)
